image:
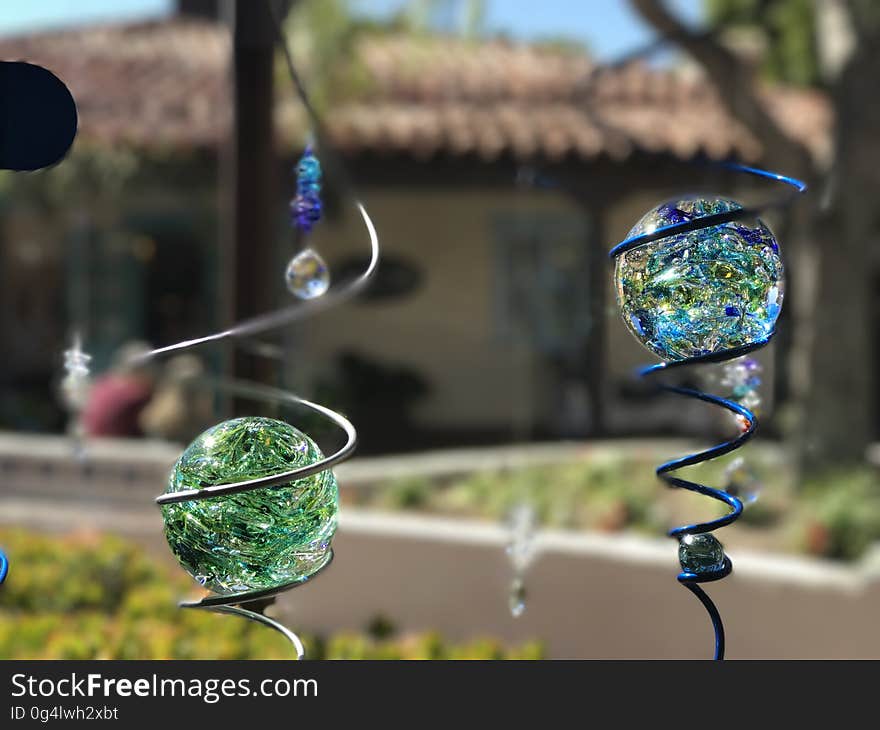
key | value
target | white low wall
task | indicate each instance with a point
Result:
(591, 596)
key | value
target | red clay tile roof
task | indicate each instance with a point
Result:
(166, 84)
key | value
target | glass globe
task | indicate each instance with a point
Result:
(702, 291)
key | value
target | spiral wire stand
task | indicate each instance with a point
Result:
(250, 604)
(234, 603)
(665, 471)
(532, 176)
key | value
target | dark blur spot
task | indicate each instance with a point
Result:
(394, 278)
(38, 119)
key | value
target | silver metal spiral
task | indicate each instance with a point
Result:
(235, 603)
(242, 334)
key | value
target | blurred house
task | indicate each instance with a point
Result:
(498, 175)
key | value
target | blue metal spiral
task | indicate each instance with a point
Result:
(4, 566)
(665, 471)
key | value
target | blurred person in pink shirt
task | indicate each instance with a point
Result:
(118, 396)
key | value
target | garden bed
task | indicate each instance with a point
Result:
(612, 488)
(89, 596)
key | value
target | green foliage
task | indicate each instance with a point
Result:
(787, 29)
(466, 17)
(835, 515)
(425, 646)
(408, 493)
(322, 37)
(562, 45)
(90, 175)
(838, 514)
(605, 493)
(100, 597)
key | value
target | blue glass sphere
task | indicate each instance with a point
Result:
(702, 291)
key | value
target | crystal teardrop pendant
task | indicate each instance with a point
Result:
(517, 598)
(307, 275)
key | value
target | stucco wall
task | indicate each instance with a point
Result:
(445, 329)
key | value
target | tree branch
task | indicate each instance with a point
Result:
(735, 82)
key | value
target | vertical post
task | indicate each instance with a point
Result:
(593, 204)
(594, 359)
(249, 175)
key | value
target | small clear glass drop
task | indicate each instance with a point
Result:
(75, 391)
(76, 382)
(521, 546)
(517, 598)
(307, 276)
(742, 481)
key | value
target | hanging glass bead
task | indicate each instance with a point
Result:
(521, 550)
(517, 598)
(75, 385)
(700, 553)
(306, 207)
(742, 481)
(521, 545)
(307, 275)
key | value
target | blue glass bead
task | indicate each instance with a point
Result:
(308, 169)
(313, 200)
(305, 208)
(637, 324)
(301, 204)
(673, 215)
(752, 236)
(306, 211)
(308, 188)
(307, 220)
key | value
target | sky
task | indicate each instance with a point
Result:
(20, 16)
(607, 27)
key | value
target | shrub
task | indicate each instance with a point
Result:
(100, 597)
(838, 515)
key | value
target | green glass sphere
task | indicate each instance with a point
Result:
(700, 554)
(254, 540)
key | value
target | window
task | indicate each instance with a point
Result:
(542, 292)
